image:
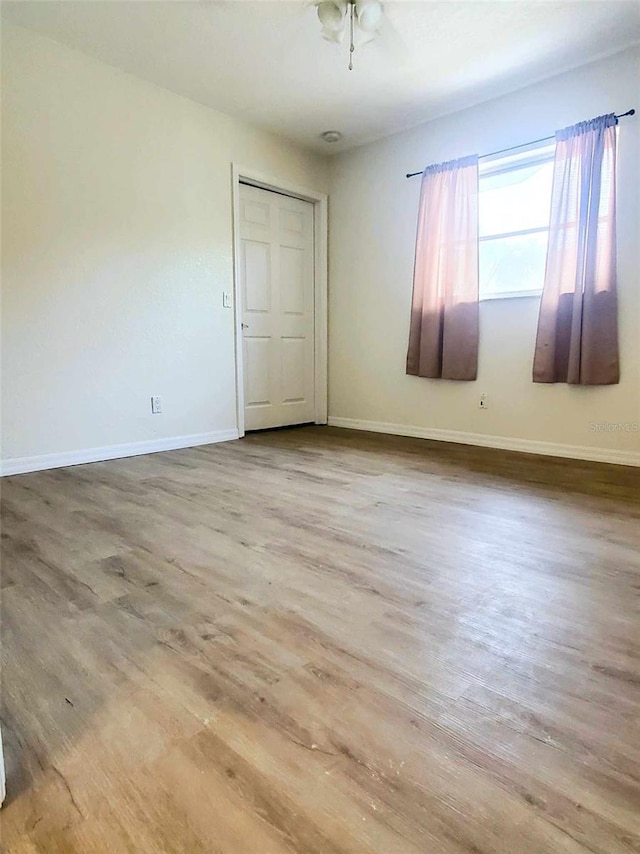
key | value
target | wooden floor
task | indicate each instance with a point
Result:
(323, 641)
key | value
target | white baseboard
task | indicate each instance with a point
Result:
(22, 465)
(505, 443)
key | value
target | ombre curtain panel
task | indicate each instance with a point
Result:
(577, 338)
(444, 328)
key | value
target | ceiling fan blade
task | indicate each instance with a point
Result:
(390, 42)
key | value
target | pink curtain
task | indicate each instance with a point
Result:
(443, 335)
(577, 339)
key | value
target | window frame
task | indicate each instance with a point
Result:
(499, 164)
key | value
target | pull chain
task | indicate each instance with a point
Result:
(351, 45)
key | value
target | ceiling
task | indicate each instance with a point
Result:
(266, 62)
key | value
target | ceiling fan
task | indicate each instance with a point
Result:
(362, 19)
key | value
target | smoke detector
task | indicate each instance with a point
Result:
(331, 136)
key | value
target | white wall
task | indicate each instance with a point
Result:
(372, 232)
(116, 250)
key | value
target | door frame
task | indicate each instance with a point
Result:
(320, 283)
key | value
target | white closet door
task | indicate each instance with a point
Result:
(277, 293)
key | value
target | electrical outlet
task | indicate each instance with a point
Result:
(156, 405)
(226, 299)
(482, 403)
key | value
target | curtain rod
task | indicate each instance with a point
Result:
(631, 112)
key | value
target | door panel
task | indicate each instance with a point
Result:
(292, 280)
(257, 360)
(255, 211)
(257, 276)
(293, 370)
(277, 291)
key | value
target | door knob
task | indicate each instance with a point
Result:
(244, 325)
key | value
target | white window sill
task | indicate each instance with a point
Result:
(509, 295)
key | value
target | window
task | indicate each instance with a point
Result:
(514, 208)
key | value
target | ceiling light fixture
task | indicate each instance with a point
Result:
(362, 16)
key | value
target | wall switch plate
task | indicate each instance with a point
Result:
(226, 299)
(156, 405)
(483, 402)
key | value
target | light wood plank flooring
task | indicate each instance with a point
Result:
(321, 641)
